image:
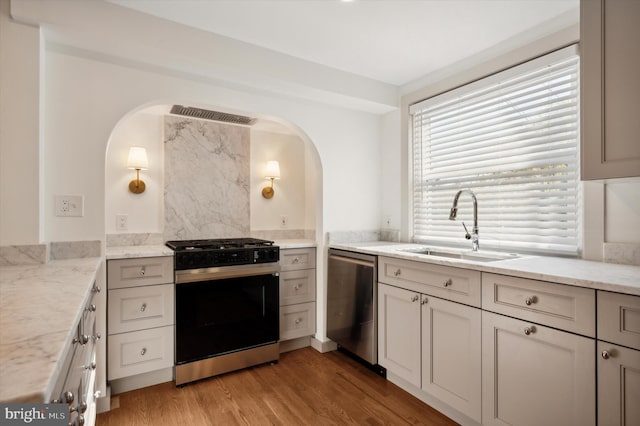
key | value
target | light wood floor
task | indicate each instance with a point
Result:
(304, 388)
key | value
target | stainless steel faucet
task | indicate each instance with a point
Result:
(475, 242)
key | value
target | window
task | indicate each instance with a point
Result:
(512, 138)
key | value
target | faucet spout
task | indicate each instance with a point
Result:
(475, 239)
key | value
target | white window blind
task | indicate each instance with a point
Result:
(512, 139)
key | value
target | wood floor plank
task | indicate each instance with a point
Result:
(304, 388)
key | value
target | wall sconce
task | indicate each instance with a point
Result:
(272, 173)
(137, 161)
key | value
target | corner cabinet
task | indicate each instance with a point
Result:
(610, 88)
(433, 343)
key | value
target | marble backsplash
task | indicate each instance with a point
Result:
(24, 254)
(206, 189)
(139, 239)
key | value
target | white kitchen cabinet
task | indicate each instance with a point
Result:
(399, 332)
(618, 366)
(141, 322)
(610, 88)
(618, 385)
(297, 295)
(535, 375)
(451, 354)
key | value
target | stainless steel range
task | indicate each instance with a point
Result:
(227, 301)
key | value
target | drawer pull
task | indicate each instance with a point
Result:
(142, 271)
(296, 259)
(96, 289)
(83, 339)
(424, 301)
(529, 330)
(143, 351)
(529, 300)
(91, 308)
(143, 307)
(448, 282)
(397, 273)
(298, 320)
(415, 298)
(296, 287)
(606, 354)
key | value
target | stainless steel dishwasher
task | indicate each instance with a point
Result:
(352, 313)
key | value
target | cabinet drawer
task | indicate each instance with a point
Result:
(140, 352)
(140, 308)
(456, 284)
(297, 320)
(556, 305)
(619, 318)
(123, 273)
(293, 259)
(297, 286)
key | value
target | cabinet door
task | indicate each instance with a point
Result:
(534, 375)
(399, 332)
(610, 65)
(618, 385)
(451, 354)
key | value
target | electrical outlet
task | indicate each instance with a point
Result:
(122, 222)
(284, 221)
(69, 205)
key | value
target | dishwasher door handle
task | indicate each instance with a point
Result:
(352, 260)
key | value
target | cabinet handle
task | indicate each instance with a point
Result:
(143, 351)
(96, 289)
(91, 308)
(298, 320)
(606, 354)
(529, 330)
(296, 259)
(529, 300)
(397, 273)
(143, 307)
(415, 298)
(424, 301)
(142, 271)
(83, 339)
(448, 282)
(296, 287)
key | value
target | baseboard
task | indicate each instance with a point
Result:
(138, 381)
(322, 347)
(104, 402)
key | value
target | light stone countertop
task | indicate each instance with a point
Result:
(292, 243)
(40, 307)
(576, 272)
(128, 252)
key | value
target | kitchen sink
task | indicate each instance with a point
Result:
(473, 256)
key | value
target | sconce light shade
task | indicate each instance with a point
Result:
(273, 170)
(138, 161)
(138, 158)
(272, 173)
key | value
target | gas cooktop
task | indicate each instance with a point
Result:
(217, 244)
(198, 254)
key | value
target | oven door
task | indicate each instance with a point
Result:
(224, 310)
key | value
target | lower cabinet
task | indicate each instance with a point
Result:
(433, 344)
(399, 332)
(618, 385)
(451, 354)
(297, 294)
(535, 375)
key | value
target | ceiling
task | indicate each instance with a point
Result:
(392, 41)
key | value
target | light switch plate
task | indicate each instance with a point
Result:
(70, 205)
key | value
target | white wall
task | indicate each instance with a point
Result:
(622, 213)
(20, 203)
(290, 196)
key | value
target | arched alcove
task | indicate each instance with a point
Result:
(298, 199)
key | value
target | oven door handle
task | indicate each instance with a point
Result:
(226, 272)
